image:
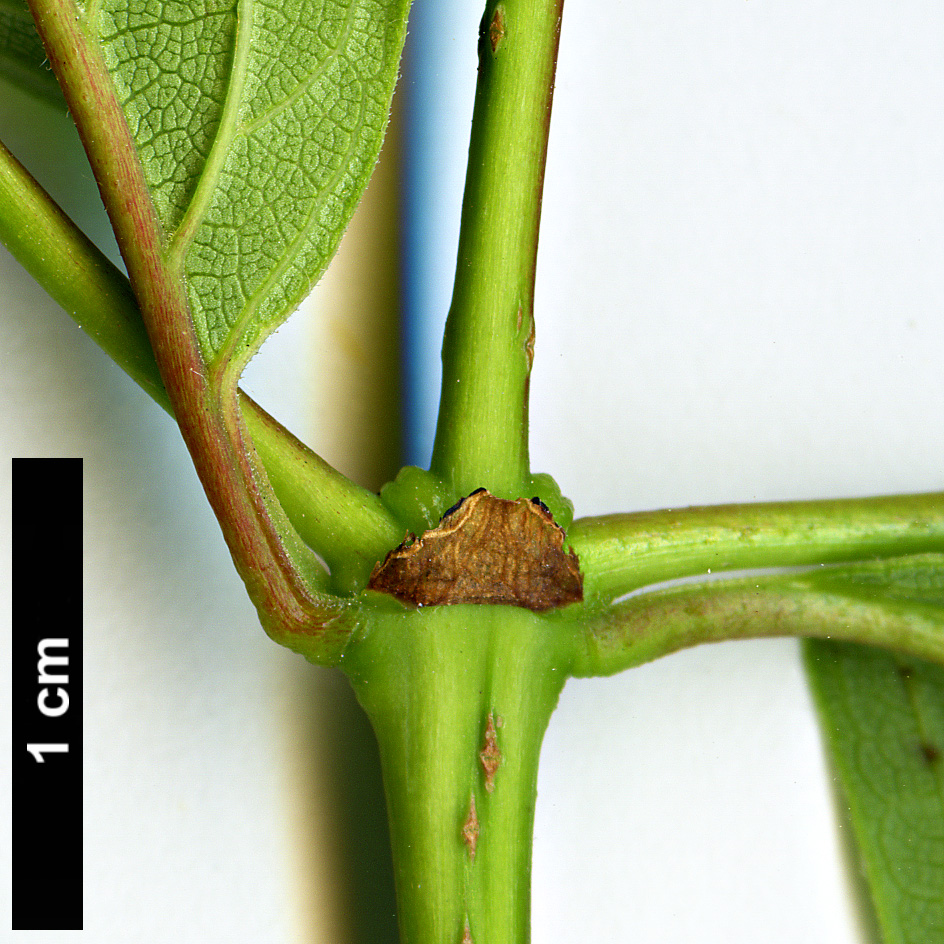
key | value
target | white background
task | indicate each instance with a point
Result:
(739, 298)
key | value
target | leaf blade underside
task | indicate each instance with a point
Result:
(258, 125)
(882, 716)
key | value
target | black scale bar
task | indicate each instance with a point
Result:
(47, 694)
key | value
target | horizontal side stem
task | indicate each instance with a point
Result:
(621, 553)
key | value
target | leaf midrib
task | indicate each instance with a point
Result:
(230, 127)
(226, 132)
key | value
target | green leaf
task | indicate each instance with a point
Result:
(231, 141)
(883, 719)
(258, 124)
(22, 57)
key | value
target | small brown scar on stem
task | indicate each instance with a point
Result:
(470, 828)
(930, 753)
(490, 755)
(467, 934)
(496, 29)
(529, 346)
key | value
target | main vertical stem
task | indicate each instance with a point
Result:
(482, 434)
(459, 698)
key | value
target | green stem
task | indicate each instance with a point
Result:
(344, 523)
(621, 553)
(76, 274)
(481, 438)
(441, 685)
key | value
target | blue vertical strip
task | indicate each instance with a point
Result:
(439, 88)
